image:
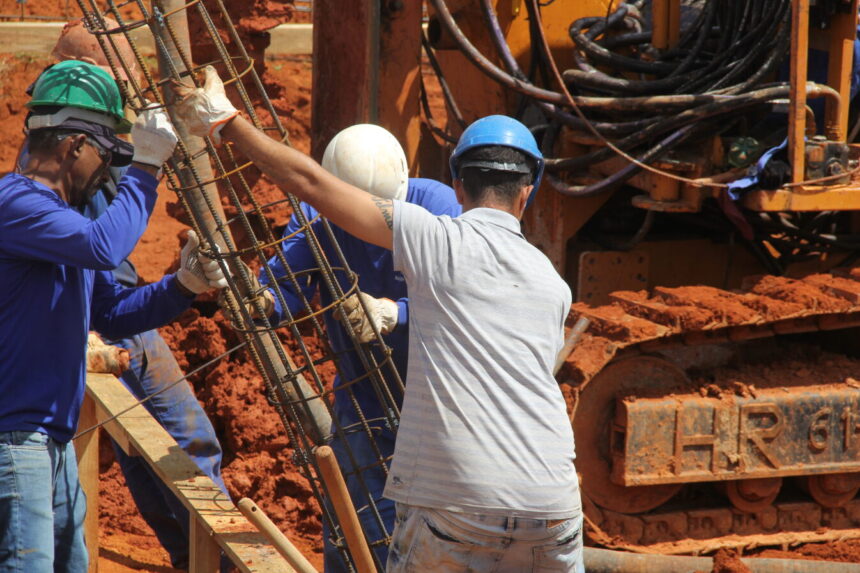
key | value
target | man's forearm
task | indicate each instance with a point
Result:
(287, 167)
(348, 207)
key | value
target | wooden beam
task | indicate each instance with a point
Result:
(344, 68)
(213, 514)
(40, 37)
(87, 451)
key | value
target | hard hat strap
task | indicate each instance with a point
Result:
(496, 166)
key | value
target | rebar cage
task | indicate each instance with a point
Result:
(202, 174)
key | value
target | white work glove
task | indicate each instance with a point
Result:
(153, 137)
(204, 111)
(381, 312)
(249, 297)
(197, 272)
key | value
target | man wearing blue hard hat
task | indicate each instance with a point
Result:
(483, 475)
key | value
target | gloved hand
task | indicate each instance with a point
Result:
(380, 311)
(256, 292)
(153, 136)
(204, 111)
(198, 273)
(105, 358)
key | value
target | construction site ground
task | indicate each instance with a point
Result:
(257, 456)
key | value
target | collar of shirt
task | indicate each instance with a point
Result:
(496, 217)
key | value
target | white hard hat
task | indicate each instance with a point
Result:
(370, 158)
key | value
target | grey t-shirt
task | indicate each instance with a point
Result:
(484, 427)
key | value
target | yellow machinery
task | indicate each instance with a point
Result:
(700, 199)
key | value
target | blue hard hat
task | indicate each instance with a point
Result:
(505, 131)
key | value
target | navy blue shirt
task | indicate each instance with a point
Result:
(56, 284)
(377, 277)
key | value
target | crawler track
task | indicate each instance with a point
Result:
(651, 349)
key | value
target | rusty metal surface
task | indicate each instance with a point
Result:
(684, 438)
(342, 86)
(707, 529)
(651, 430)
(601, 272)
(593, 424)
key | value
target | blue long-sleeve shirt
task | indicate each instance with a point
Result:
(55, 268)
(125, 273)
(377, 278)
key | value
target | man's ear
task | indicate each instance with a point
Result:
(459, 192)
(523, 199)
(76, 144)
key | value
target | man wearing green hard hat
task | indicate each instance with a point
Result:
(56, 284)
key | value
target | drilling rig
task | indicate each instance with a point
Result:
(700, 198)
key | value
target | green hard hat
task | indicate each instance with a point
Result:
(77, 84)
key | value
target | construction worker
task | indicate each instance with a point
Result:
(483, 475)
(370, 158)
(154, 370)
(55, 283)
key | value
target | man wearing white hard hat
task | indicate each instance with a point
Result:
(372, 159)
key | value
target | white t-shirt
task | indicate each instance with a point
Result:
(484, 427)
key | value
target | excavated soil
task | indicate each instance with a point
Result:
(257, 460)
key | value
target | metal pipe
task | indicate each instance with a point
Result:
(607, 561)
(797, 105)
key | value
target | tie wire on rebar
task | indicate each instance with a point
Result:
(292, 388)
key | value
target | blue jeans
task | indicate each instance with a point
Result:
(154, 367)
(446, 542)
(373, 478)
(42, 506)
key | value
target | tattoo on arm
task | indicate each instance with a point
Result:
(386, 207)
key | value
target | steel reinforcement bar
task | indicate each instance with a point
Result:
(205, 178)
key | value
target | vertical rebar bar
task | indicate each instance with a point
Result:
(205, 176)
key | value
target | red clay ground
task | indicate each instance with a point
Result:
(257, 455)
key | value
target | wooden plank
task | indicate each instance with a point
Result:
(215, 514)
(87, 451)
(40, 37)
(204, 556)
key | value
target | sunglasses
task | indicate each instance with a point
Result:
(104, 155)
